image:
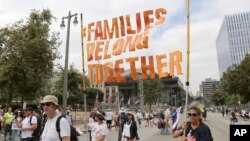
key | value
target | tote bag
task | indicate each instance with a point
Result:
(126, 130)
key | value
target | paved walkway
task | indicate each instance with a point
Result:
(219, 127)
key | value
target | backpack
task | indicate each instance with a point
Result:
(36, 133)
(73, 132)
(123, 118)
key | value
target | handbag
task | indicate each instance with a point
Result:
(126, 130)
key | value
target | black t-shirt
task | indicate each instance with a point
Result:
(202, 133)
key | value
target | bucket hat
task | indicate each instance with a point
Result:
(50, 98)
(123, 110)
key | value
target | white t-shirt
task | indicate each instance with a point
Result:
(91, 120)
(26, 123)
(109, 115)
(98, 130)
(69, 119)
(138, 115)
(50, 133)
(14, 123)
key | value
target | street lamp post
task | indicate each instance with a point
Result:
(65, 76)
(141, 92)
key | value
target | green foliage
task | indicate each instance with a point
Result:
(198, 98)
(75, 89)
(218, 98)
(152, 91)
(27, 52)
(237, 80)
(91, 96)
(234, 99)
(74, 86)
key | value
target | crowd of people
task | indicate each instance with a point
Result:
(49, 124)
(29, 124)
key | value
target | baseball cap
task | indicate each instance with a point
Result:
(28, 109)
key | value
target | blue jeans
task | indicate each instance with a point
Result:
(15, 133)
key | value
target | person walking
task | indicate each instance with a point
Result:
(147, 119)
(139, 117)
(99, 129)
(28, 125)
(116, 121)
(233, 119)
(227, 112)
(1, 121)
(204, 114)
(223, 112)
(69, 118)
(162, 122)
(109, 118)
(174, 118)
(122, 118)
(130, 128)
(195, 129)
(167, 115)
(8, 116)
(16, 131)
(50, 133)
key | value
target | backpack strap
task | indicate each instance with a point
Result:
(58, 126)
(30, 119)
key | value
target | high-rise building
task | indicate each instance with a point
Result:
(233, 41)
(209, 86)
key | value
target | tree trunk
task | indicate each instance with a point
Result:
(22, 102)
(10, 94)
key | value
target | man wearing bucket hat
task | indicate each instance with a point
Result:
(50, 105)
(122, 118)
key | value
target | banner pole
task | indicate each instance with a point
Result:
(83, 72)
(188, 56)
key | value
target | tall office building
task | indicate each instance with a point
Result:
(209, 86)
(233, 41)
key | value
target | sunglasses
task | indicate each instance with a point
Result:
(192, 114)
(47, 104)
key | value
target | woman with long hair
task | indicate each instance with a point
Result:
(195, 129)
(14, 126)
(130, 128)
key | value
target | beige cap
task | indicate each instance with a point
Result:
(50, 98)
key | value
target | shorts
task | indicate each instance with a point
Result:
(109, 121)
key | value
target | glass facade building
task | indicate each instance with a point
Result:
(233, 40)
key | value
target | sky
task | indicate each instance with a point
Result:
(206, 18)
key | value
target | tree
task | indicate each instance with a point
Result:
(199, 98)
(236, 80)
(152, 91)
(234, 99)
(27, 52)
(74, 86)
(218, 98)
(75, 93)
(91, 96)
